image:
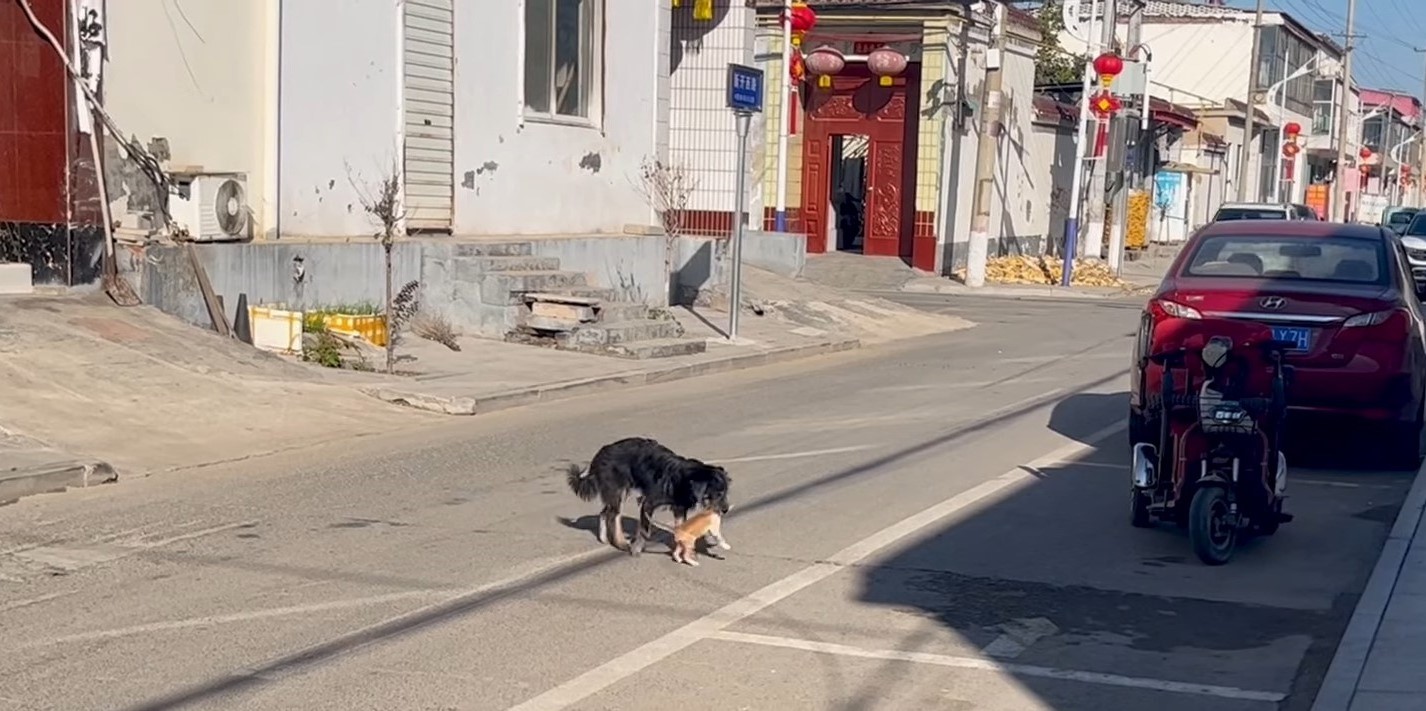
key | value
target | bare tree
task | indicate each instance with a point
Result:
(668, 189)
(384, 206)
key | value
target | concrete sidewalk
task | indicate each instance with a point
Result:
(1380, 663)
(783, 319)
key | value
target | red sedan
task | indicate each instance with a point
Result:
(1343, 293)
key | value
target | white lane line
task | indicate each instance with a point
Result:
(212, 620)
(1019, 635)
(636, 660)
(1131, 682)
(795, 455)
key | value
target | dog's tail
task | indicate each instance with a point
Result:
(581, 483)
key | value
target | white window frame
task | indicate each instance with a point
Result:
(594, 51)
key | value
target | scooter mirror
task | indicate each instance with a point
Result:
(1215, 354)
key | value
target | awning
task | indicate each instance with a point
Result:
(1177, 167)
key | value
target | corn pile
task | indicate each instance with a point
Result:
(1136, 231)
(1040, 270)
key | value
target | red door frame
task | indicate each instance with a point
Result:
(889, 116)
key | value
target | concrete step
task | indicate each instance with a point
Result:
(659, 348)
(614, 311)
(494, 249)
(606, 333)
(505, 288)
(583, 292)
(473, 269)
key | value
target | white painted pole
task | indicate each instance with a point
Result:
(784, 120)
(1072, 222)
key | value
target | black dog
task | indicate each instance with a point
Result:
(661, 477)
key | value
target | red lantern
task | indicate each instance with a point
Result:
(1366, 153)
(801, 19)
(1290, 149)
(886, 63)
(824, 62)
(1405, 171)
(1293, 129)
(1108, 66)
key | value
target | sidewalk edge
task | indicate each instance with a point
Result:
(53, 477)
(1339, 686)
(549, 392)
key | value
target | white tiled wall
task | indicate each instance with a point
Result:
(702, 136)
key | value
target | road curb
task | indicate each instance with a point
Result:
(53, 477)
(549, 392)
(1025, 292)
(1339, 686)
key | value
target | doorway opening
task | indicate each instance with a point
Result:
(848, 191)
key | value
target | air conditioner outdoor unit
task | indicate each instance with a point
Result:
(211, 207)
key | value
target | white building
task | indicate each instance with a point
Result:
(1202, 59)
(505, 118)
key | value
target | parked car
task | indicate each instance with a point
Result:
(1342, 293)
(1413, 241)
(1397, 219)
(1263, 211)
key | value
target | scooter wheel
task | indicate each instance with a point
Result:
(1139, 510)
(1211, 529)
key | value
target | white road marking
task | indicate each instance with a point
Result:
(1343, 484)
(795, 455)
(1019, 636)
(1132, 682)
(636, 660)
(212, 620)
(194, 534)
(1051, 358)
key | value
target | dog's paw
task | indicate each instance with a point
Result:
(693, 563)
(724, 545)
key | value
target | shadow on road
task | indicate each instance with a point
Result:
(1119, 617)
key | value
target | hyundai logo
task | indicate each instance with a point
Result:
(1272, 302)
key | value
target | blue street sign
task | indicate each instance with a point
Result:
(745, 88)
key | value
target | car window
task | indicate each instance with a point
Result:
(1400, 217)
(1250, 213)
(1329, 259)
(1417, 227)
(1304, 212)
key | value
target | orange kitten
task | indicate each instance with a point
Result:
(686, 535)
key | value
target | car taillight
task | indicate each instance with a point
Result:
(1393, 319)
(1173, 309)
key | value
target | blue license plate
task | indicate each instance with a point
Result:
(1294, 334)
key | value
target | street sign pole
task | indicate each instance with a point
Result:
(745, 98)
(735, 285)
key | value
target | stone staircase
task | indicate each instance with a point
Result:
(551, 306)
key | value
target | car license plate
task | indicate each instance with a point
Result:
(1294, 334)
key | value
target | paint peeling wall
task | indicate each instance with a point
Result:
(191, 73)
(517, 176)
(338, 123)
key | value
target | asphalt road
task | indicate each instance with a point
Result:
(936, 525)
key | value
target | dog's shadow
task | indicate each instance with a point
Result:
(661, 533)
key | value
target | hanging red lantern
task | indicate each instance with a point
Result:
(886, 63)
(796, 66)
(824, 62)
(801, 20)
(1366, 153)
(1293, 129)
(1108, 66)
(1290, 149)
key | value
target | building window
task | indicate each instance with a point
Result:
(1281, 53)
(1323, 106)
(563, 49)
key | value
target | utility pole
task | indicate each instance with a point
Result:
(1093, 241)
(1251, 114)
(987, 148)
(1121, 172)
(1339, 182)
(1421, 144)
